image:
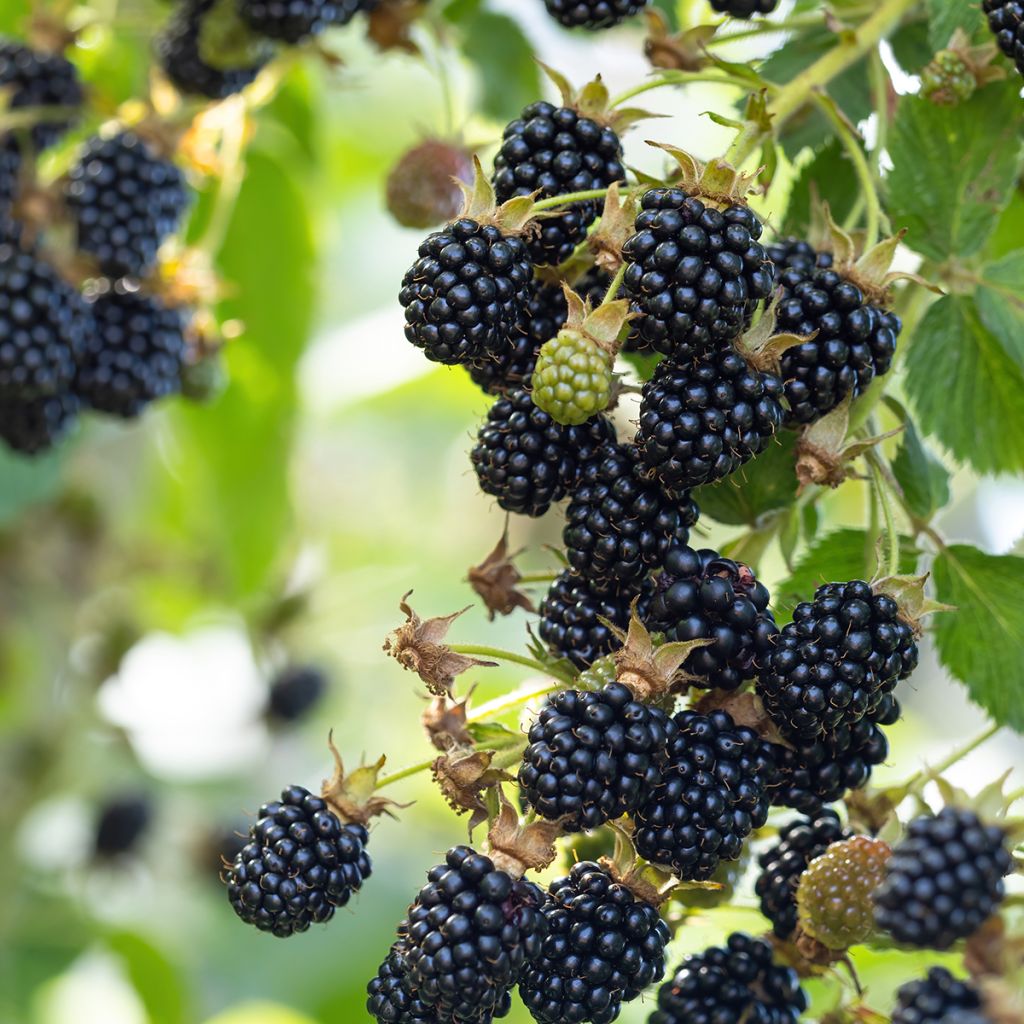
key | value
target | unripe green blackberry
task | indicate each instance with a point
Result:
(948, 80)
(572, 380)
(834, 894)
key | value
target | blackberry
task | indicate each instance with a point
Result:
(1006, 20)
(527, 461)
(34, 425)
(135, 354)
(702, 421)
(699, 595)
(423, 187)
(731, 984)
(785, 861)
(712, 796)
(603, 947)
(945, 878)
(557, 150)
(593, 14)
(744, 8)
(619, 526)
(938, 998)
(292, 21)
(121, 825)
(693, 272)
(463, 297)
(294, 692)
(125, 201)
(32, 79)
(834, 662)
(387, 999)
(796, 255)
(300, 863)
(10, 174)
(594, 756)
(470, 934)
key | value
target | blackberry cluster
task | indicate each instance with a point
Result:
(593, 14)
(701, 421)
(731, 984)
(785, 861)
(693, 272)
(620, 526)
(300, 864)
(387, 1000)
(122, 823)
(294, 692)
(125, 201)
(135, 354)
(944, 879)
(292, 21)
(463, 296)
(34, 425)
(526, 460)
(603, 947)
(556, 150)
(744, 8)
(938, 998)
(470, 934)
(594, 756)
(699, 595)
(32, 79)
(712, 796)
(832, 665)
(1006, 20)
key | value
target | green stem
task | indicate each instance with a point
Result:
(765, 28)
(498, 654)
(680, 78)
(570, 197)
(881, 489)
(613, 288)
(960, 753)
(538, 577)
(405, 773)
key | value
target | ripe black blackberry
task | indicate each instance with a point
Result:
(711, 797)
(469, 936)
(938, 998)
(10, 173)
(135, 354)
(292, 21)
(464, 296)
(785, 861)
(34, 425)
(693, 271)
(835, 661)
(557, 150)
(300, 864)
(526, 460)
(125, 202)
(944, 879)
(699, 595)
(603, 947)
(594, 755)
(1006, 20)
(620, 526)
(32, 79)
(793, 258)
(731, 984)
(294, 692)
(744, 8)
(387, 999)
(122, 822)
(593, 14)
(701, 421)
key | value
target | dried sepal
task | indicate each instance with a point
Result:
(745, 709)
(716, 182)
(991, 804)
(496, 581)
(417, 645)
(463, 775)
(763, 346)
(593, 101)
(481, 204)
(517, 848)
(873, 811)
(681, 51)
(1003, 998)
(618, 223)
(446, 722)
(605, 326)
(992, 952)
(910, 593)
(352, 796)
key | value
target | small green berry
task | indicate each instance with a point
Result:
(572, 380)
(948, 80)
(599, 675)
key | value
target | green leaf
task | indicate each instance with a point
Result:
(830, 174)
(982, 642)
(965, 388)
(922, 477)
(157, 981)
(1001, 303)
(946, 16)
(504, 58)
(912, 47)
(954, 169)
(1010, 229)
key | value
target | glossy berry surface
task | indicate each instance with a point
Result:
(1006, 21)
(593, 14)
(744, 8)
(387, 999)
(292, 21)
(938, 998)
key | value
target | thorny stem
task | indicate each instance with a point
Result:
(613, 288)
(570, 197)
(478, 651)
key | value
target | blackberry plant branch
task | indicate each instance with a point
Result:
(553, 202)
(881, 490)
(498, 654)
(668, 78)
(613, 288)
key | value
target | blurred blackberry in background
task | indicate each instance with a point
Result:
(294, 692)
(938, 998)
(121, 824)
(33, 79)
(744, 8)
(422, 188)
(32, 426)
(593, 14)
(293, 21)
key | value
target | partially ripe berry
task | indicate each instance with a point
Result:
(421, 190)
(572, 380)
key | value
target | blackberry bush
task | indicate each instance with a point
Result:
(593, 14)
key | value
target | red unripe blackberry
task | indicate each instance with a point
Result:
(292, 21)
(699, 595)
(469, 936)
(835, 661)
(693, 272)
(300, 864)
(744, 8)
(732, 984)
(294, 692)
(711, 797)
(618, 525)
(593, 14)
(526, 460)
(938, 998)
(1006, 20)
(554, 151)
(123, 821)
(701, 421)
(32, 426)
(422, 190)
(594, 756)
(785, 861)
(387, 998)
(944, 879)
(464, 297)
(603, 947)
(33, 79)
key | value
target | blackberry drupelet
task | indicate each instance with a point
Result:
(34, 425)
(699, 595)
(135, 354)
(387, 999)
(938, 998)
(526, 460)
(603, 947)
(594, 756)
(125, 202)
(300, 864)
(593, 14)
(1006, 20)
(712, 796)
(122, 823)
(731, 984)
(785, 861)
(464, 297)
(556, 150)
(835, 661)
(945, 878)
(293, 21)
(470, 934)
(295, 691)
(693, 272)
(10, 174)
(700, 422)
(32, 79)
(793, 258)
(619, 526)
(744, 8)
